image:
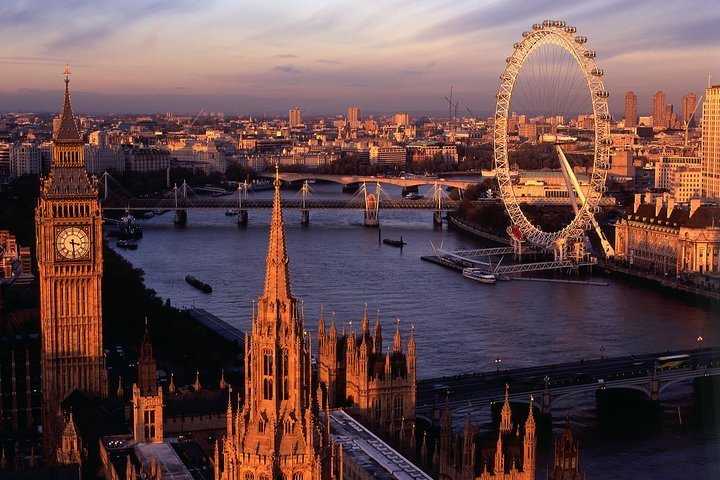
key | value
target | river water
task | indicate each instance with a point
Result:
(461, 326)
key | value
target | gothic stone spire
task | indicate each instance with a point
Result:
(277, 276)
(68, 131)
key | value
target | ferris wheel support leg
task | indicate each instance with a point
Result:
(517, 249)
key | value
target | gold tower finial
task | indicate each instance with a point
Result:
(67, 72)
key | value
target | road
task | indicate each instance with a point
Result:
(489, 386)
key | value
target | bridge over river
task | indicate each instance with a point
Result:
(552, 384)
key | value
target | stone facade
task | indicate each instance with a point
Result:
(463, 457)
(665, 239)
(147, 398)
(68, 221)
(354, 372)
(276, 433)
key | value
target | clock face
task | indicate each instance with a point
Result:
(72, 243)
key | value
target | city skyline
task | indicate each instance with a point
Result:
(255, 59)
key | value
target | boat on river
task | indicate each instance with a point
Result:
(202, 286)
(127, 244)
(479, 276)
(394, 243)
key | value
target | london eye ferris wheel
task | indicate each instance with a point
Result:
(552, 83)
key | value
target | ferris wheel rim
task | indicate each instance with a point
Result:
(553, 33)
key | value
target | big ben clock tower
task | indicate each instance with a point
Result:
(68, 222)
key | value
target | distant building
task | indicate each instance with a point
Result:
(711, 143)
(25, 159)
(664, 239)
(4, 159)
(354, 117)
(102, 157)
(295, 117)
(631, 113)
(354, 114)
(622, 163)
(421, 151)
(388, 156)
(687, 184)
(146, 159)
(658, 111)
(15, 265)
(665, 169)
(689, 104)
(401, 119)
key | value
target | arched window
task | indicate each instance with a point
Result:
(249, 476)
(376, 408)
(268, 375)
(398, 408)
(283, 369)
(264, 477)
(261, 426)
(298, 476)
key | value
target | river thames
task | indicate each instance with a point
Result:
(461, 326)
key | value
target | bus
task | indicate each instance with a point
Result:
(672, 361)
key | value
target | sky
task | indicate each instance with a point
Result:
(264, 57)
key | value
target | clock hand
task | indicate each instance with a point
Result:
(73, 243)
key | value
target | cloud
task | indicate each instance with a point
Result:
(287, 68)
(286, 55)
(329, 62)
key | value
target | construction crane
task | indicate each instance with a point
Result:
(451, 105)
(686, 121)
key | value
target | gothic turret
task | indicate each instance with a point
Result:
(529, 443)
(506, 413)
(276, 433)
(147, 397)
(566, 456)
(397, 339)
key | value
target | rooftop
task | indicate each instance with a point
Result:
(166, 458)
(372, 454)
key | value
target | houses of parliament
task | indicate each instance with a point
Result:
(287, 420)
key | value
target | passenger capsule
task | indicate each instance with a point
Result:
(559, 24)
(603, 94)
(580, 39)
(605, 117)
(548, 23)
(517, 46)
(597, 72)
(537, 26)
(603, 165)
(526, 34)
(606, 141)
(590, 54)
(595, 209)
(570, 29)
(601, 189)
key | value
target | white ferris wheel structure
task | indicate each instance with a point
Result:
(566, 242)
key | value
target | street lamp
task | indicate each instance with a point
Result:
(699, 342)
(498, 361)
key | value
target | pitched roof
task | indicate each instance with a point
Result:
(68, 131)
(705, 216)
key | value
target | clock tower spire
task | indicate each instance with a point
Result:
(68, 225)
